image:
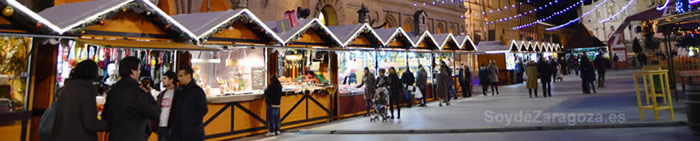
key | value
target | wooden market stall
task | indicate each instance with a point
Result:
(305, 53)
(234, 81)
(359, 44)
(106, 31)
(425, 45)
(19, 98)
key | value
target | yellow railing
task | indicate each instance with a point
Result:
(655, 86)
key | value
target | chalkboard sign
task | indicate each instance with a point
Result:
(258, 78)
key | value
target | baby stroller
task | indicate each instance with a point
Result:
(380, 106)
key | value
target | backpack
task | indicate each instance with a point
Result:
(47, 122)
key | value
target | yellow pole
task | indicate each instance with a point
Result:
(639, 100)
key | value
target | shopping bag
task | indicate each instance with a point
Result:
(46, 123)
(416, 92)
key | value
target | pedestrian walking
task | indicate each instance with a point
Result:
(493, 76)
(273, 98)
(465, 80)
(368, 81)
(190, 107)
(587, 75)
(165, 101)
(532, 73)
(408, 80)
(450, 81)
(544, 70)
(484, 78)
(553, 65)
(615, 61)
(563, 65)
(128, 106)
(575, 64)
(395, 89)
(422, 82)
(601, 65)
(442, 86)
(76, 111)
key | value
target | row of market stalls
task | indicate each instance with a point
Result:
(232, 52)
(507, 56)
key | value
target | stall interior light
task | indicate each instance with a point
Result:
(293, 57)
(204, 61)
(496, 52)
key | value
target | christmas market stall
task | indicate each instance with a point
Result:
(107, 31)
(359, 44)
(307, 68)
(20, 30)
(503, 56)
(422, 53)
(467, 55)
(448, 49)
(235, 77)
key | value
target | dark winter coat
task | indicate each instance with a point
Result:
(545, 71)
(188, 110)
(484, 76)
(273, 93)
(442, 83)
(422, 79)
(127, 109)
(601, 64)
(407, 78)
(587, 70)
(76, 113)
(395, 86)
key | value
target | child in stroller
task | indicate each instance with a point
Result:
(380, 106)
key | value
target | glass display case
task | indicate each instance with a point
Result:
(14, 72)
(301, 70)
(351, 69)
(424, 59)
(388, 59)
(239, 71)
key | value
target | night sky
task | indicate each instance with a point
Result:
(562, 4)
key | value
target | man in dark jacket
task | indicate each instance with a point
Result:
(189, 108)
(407, 79)
(484, 78)
(76, 111)
(128, 106)
(395, 89)
(587, 75)
(553, 65)
(273, 96)
(601, 65)
(544, 69)
(422, 83)
(465, 80)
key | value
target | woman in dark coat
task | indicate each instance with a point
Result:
(587, 75)
(484, 78)
(273, 96)
(544, 70)
(76, 109)
(442, 86)
(395, 89)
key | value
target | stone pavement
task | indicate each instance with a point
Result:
(489, 117)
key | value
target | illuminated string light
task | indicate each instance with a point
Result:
(618, 12)
(548, 17)
(664, 6)
(579, 18)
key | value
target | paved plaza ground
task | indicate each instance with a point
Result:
(610, 114)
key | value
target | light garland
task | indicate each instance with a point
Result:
(664, 6)
(618, 12)
(518, 15)
(549, 17)
(579, 18)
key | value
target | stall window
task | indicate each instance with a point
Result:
(387, 59)
(300, 69)
(230, 72)
(351, 69)
(154, 63)
(14, 71)
(424, 59)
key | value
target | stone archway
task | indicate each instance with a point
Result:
(328, 16)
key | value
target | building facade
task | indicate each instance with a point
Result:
(609, 16)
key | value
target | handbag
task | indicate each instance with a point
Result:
(47, 122)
